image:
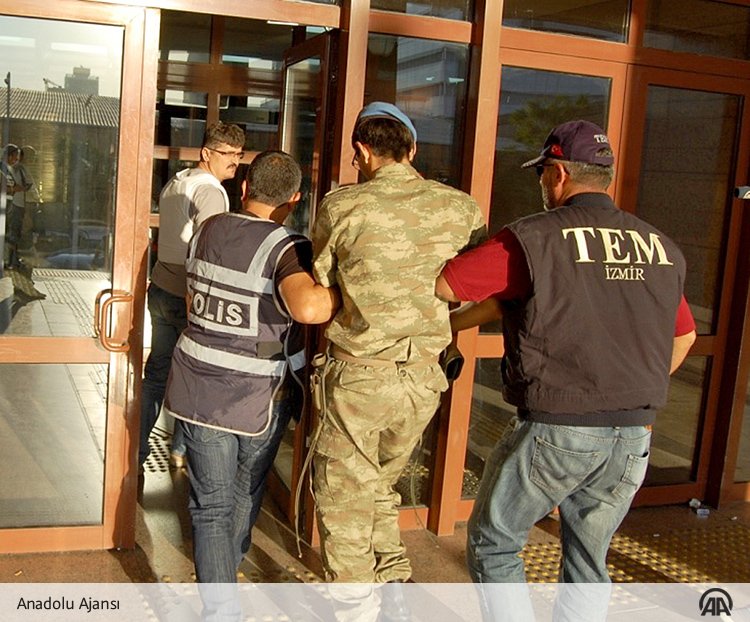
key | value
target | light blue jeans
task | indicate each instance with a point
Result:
(228, 475)
(590, 473)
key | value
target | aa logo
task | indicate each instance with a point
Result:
(715, 602)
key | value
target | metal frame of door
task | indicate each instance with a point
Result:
(320, 47)
(116, 325)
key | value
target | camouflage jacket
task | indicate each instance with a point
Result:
(384, 243)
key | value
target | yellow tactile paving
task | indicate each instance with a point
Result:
(710, 555)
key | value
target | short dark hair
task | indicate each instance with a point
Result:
(272, 178)
(386, 137)
(9, 150)
(223, 133)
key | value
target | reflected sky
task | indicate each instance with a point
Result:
(34, 49)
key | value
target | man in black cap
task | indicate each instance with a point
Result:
(594, 322)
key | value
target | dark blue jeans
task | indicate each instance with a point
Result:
(228, 475)
(168, 319)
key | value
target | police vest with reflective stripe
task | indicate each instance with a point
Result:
(240, 340)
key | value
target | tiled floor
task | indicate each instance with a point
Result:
(667, 544)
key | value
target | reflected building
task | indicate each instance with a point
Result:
(75, 134)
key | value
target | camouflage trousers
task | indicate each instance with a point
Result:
(374, 418)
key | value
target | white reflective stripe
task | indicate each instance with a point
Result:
(215, 289)
(264, 250)
(239, 331)
(298, 360)
(227, 360)
(212, 272)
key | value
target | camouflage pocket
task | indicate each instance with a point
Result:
(334, 444)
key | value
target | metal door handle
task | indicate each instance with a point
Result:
(101, 318)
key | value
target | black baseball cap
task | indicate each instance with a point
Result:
(575, 141)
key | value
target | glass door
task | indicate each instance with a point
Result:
(681, 167)
(304, 110)
(68, 209)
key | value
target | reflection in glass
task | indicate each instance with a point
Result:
(490, 413)
(742, 469)
(185, 37)
(699, 26)
(448, 9)
(532, 102)
(180, 118)
(673, 444)
(53, 444)
(606, 20)
(427, 80)
(64, 106)
(255, 44)
(685, 183)
(414, 485)
(258, 116)
(301, 107)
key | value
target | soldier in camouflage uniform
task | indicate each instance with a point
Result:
(383, 242)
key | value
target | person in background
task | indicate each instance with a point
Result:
(28, 199)
(235, 378)
(383, 242)
(189, 198)
(594, 322)
(13, 224)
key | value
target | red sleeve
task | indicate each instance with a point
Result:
(685, 322)
(496, 268)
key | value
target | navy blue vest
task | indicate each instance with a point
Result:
(597, 332)
(240, 341)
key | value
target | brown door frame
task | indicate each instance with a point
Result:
(133, 189)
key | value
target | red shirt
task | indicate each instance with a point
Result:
(498, 268)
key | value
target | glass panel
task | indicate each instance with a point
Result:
(674, 436)
(489, 415)
(685, 183)
(255, 44)
(63, 107)
(742, 468)
(180, 118)
(302, 102)
(448, 9)
(532, 102)
(414, 485)
(699, 26)
(427, 80)
(185, 37)
(606, 20)
(673, 444)
(53, 444)
(258, 116)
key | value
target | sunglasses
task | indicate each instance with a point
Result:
(540, 169)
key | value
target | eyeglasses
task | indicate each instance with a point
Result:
(540, 169)
(231, 154)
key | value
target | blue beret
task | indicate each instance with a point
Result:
(387, 111)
